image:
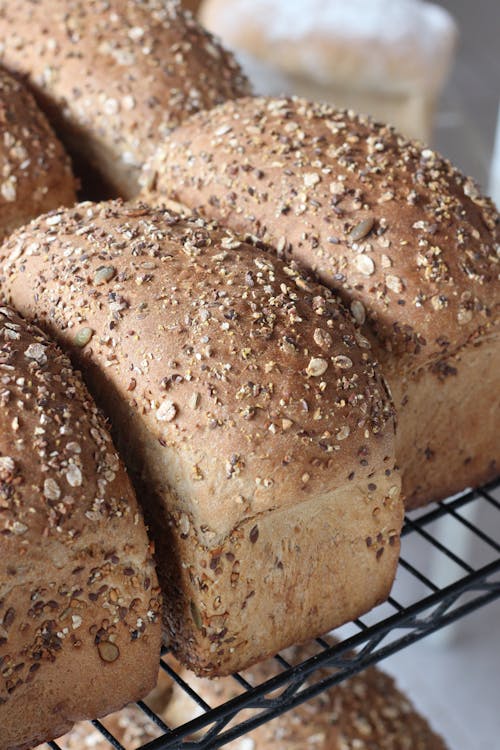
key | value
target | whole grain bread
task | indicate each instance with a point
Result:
(249, 409)
(35, 172)
(79, 599)
(409, 242)
(115, 76)
(365, 712)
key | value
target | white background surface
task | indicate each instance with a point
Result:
(457, 685)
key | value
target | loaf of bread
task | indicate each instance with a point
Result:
(365, 712)
(409, 242)
(115, 76)
(35, 173)
(385, 58)
(80, 624)
(247, 405)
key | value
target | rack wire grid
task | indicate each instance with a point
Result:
(449, 566)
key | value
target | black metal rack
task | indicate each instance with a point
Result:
(462, 575)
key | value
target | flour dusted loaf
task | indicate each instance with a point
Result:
(115, 76)
(385, 58)
(365, 712)
(79, 599)
(35, 173)
(248, 407)
(409, 242)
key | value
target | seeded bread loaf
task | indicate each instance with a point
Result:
(115, 76)
(79, 602)
(409, 243)
(248, 407)
(35, 173)
(365, 712)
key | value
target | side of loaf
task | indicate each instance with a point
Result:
(115, 76)
(35, 172)
(410, 244)
(79, 599)
(250, 412)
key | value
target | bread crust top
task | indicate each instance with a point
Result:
(35, 171)
(124, 72)
(254, 379)
(409, 242)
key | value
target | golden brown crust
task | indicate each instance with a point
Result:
(35, 172)
(242, 392)
(79, 600)
(406, 239)
(447, 434)
(115, 76)
(212, 340)
(390, 224)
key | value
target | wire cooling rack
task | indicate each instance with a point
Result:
(450, 566)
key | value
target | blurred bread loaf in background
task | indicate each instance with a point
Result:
(365, 712)
(115, 77)
(385, 58)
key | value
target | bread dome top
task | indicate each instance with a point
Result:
(116, 76)
(213, 341)
(409, 242)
